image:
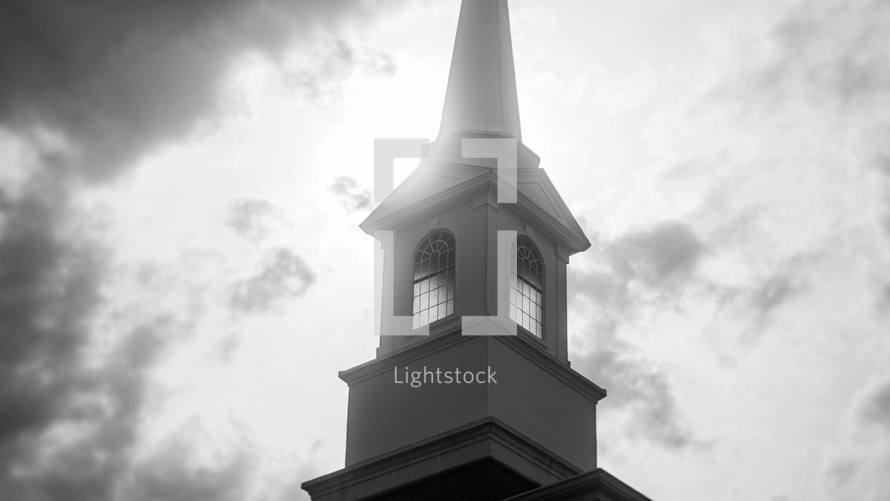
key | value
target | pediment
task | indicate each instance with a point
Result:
(436, 184)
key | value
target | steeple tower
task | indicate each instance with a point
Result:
(443, 412)
(481, 96)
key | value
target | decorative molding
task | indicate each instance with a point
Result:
(590, 485)
(434, 344)
(438, 454)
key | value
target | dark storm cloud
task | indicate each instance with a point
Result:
(112, 79)
(352, 195)
(249, 218)
(283, 275)
(47, 291)
(106, 404)
(117, 77)
(90, 468)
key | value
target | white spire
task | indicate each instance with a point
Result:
(481, 95)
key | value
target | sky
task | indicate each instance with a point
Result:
(182, 274)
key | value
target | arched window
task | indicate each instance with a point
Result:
(527, 288)
(434, 278)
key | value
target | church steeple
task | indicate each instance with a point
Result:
(481, 95)
(471, 394)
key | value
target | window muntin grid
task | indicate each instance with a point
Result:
(434, 266)
(527, 288)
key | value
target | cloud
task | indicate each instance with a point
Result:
(857, 466)
(815, 69)
(636, 385)
(283, 275)
(646, 270)
(667, 251)
(87, 88)
(72, 397)
(760, 301)
(796, 155)
(89, 468)
(603, 286)
(659, 259)
(841, 472)
(48, 289)
(818, 68)
(636, 269)
(168, 475)
(832, 55)
(98, 413)
(336, 61)
(837, 51)
(772, 293)
(73, 422)
(249, 218)
(882, 161)
(876, 407)
(352, 195)
(116, 78)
